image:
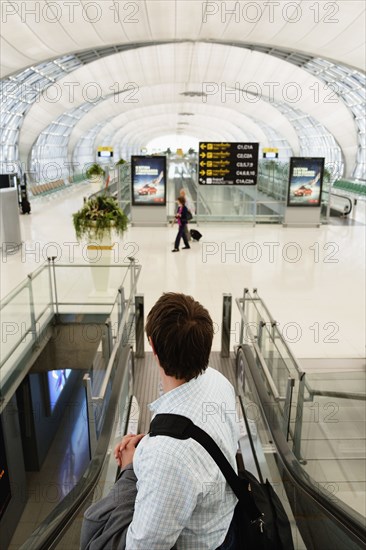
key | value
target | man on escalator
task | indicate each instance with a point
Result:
(182, 498)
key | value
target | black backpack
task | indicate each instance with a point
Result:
(259, 520)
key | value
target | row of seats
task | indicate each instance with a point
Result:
(46, 188)
(350, 186)
(52, 186)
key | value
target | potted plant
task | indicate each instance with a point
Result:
(98, 217)
(95, 221)
(120, 162)
(95, 173)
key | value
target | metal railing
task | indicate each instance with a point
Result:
(50, 291)
(291, 393)
(127, 311)
(284, 376)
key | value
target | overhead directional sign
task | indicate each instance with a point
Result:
(227, 163)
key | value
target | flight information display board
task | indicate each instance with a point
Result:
(228, 163)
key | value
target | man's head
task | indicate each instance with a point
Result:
(181, 332)
(182, 192)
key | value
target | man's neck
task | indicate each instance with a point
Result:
(169, 382)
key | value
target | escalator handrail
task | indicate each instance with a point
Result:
(341, 197)
(339, 394)
(53, 527)
(347, 518)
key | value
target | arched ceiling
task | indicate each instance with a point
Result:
(333, 30)
(176, 51)
(211, 76)
(164, 120)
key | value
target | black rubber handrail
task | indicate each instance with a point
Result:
(342, 197)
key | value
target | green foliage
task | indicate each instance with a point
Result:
(98, 217)
(121, 161)
(327, 175)
(94, 170)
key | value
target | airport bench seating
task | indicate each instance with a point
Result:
(46, 188)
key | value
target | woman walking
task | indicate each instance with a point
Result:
(181, 217)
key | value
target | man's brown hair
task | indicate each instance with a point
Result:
(181, 331)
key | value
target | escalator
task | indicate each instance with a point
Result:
(323, 521)
(269, 444)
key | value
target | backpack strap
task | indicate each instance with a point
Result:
(181, 427)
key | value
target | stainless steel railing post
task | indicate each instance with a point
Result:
(90, 415)
(226, 324)
(299, 417)
(287, 407)
(139, 325)
(32, 310)
(107, 341)
(241, 335)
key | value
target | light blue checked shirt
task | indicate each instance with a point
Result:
(182, 496)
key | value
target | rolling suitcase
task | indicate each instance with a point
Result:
(196, 235)
(25, 206)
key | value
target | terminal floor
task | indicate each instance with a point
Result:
(312, 279)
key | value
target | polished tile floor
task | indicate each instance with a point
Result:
(312, 279)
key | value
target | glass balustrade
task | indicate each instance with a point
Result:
(322, 415)
(264, 203)
(60, 289)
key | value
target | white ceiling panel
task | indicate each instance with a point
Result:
(135, 20)
(334, 30)
(161, 17)
(237, 124)
(104, 112)
(188, 18)
(343, 30)
(11, 58)
(86, 26)
(170, 124)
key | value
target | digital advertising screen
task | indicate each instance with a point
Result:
(305, 181)
(56, 383)
(148, 177)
